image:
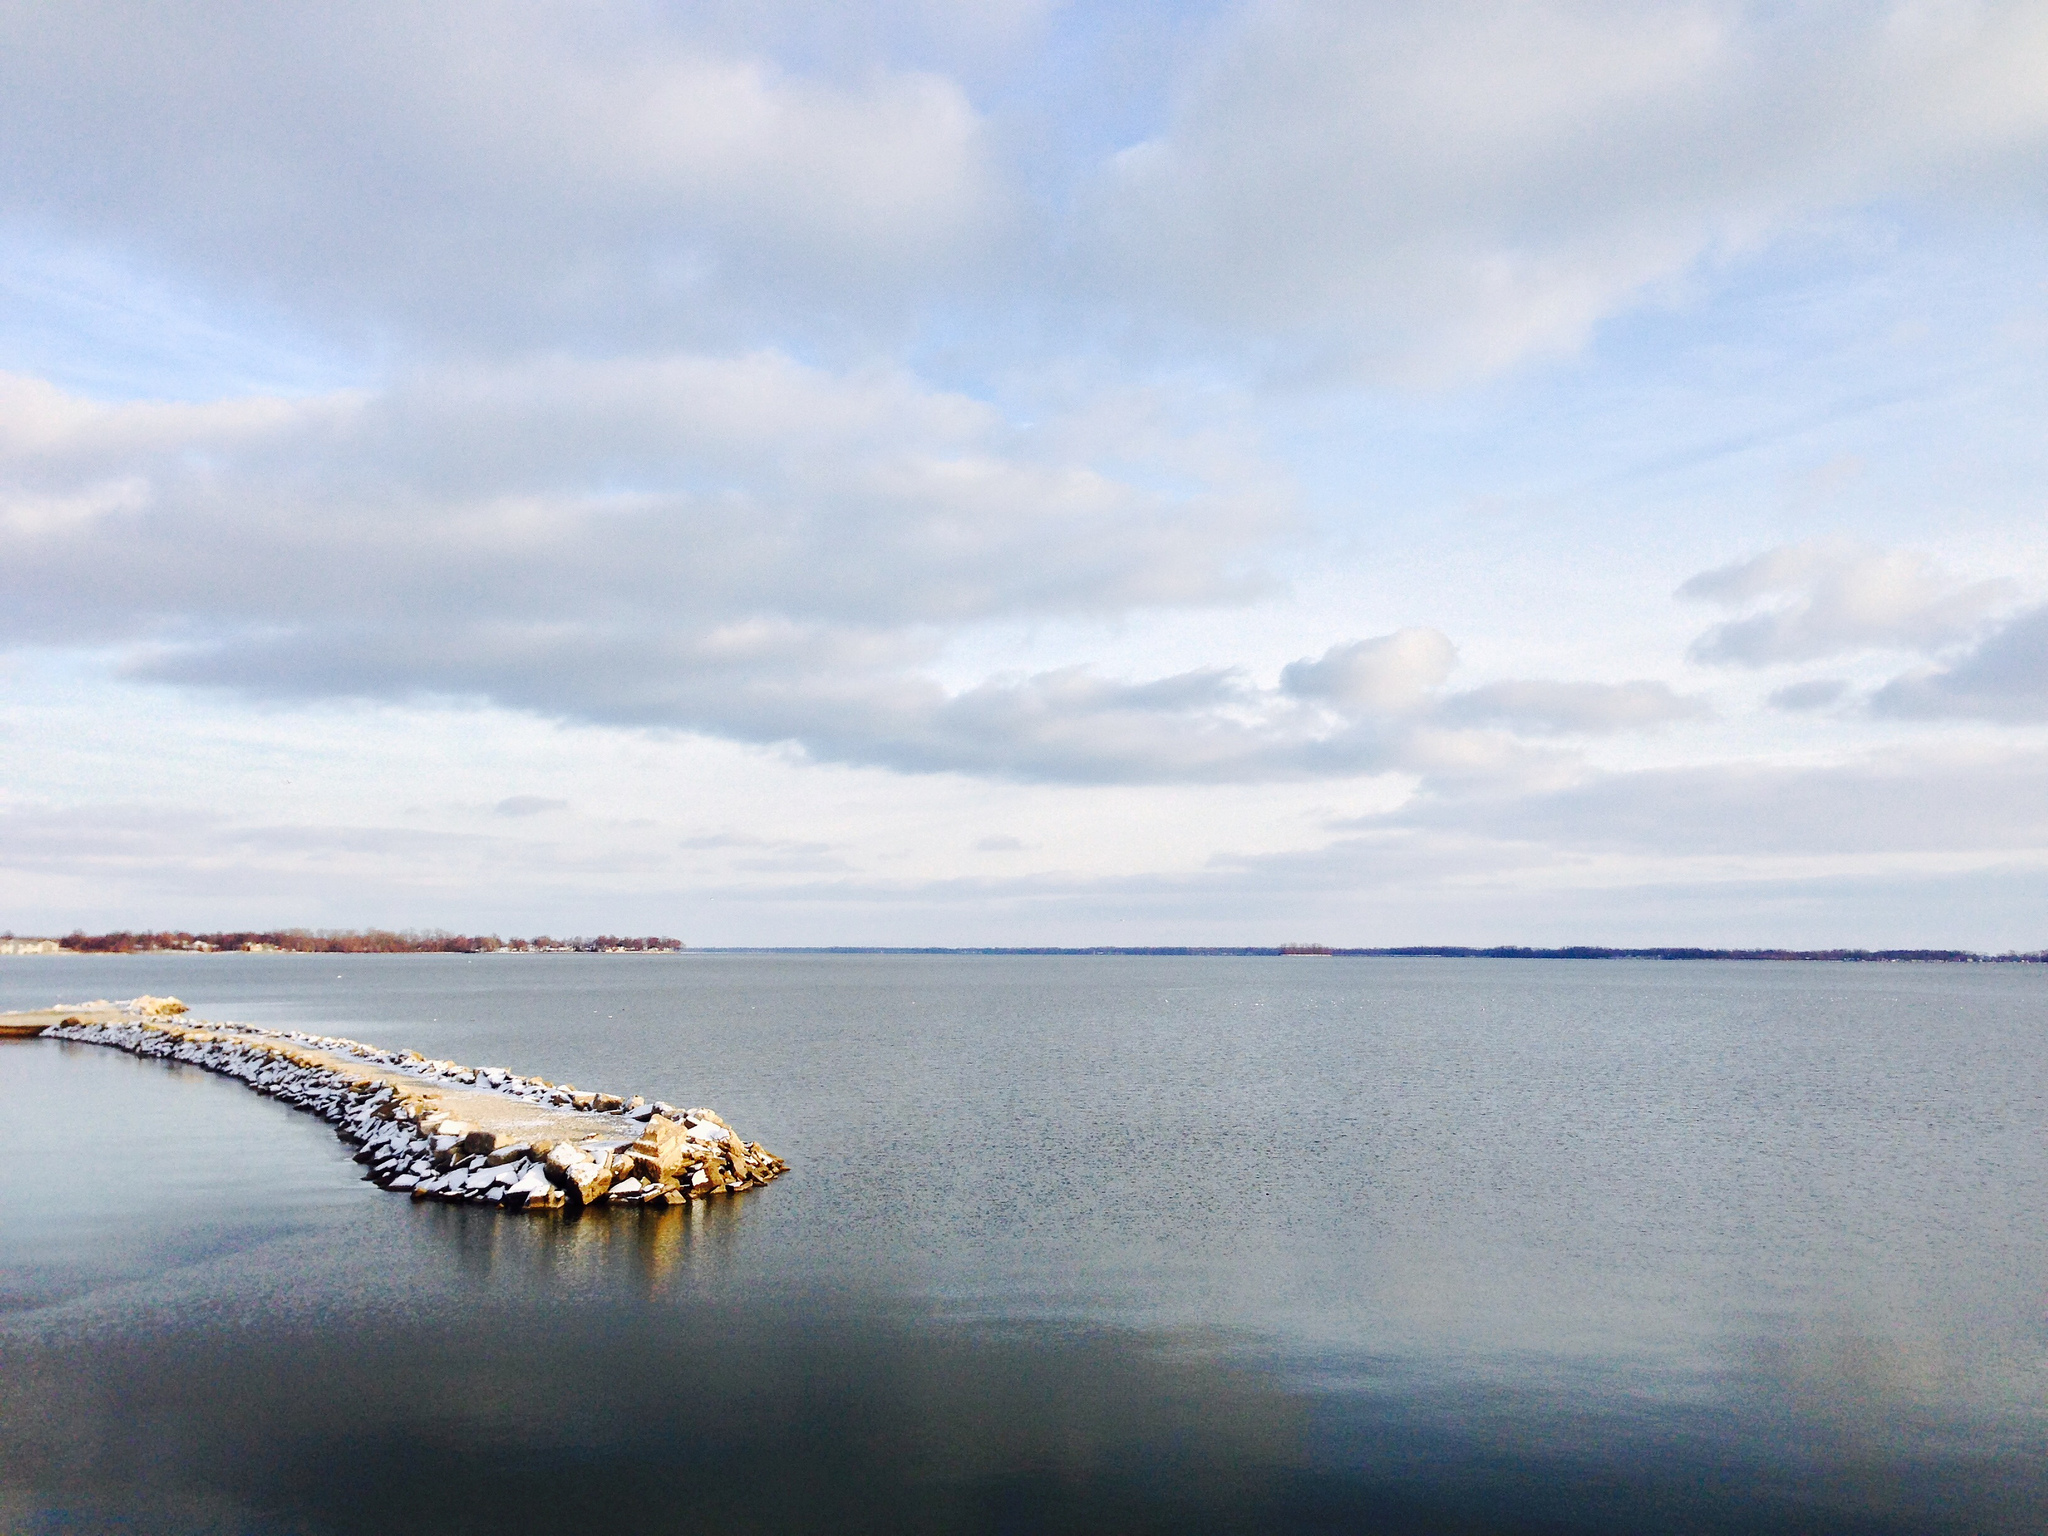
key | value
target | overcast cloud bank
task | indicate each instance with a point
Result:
(748, 548)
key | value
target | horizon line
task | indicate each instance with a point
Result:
(352, 941)
(1400, 951)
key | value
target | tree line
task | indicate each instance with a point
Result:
(354, 941)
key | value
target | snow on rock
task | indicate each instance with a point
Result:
(437, 1130)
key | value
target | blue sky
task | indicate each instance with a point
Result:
(1527, 472)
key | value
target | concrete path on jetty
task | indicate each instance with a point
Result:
(436, 1129)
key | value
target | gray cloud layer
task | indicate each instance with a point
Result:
(1832, 599)
(495, 175)
(1452, 186)
(1568, 708)
(1403, 879)
(1829, 599)
(1997, 804)
(2004, 678)
(1378, 187)
(743, 547)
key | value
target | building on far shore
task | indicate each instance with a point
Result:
(30, 947)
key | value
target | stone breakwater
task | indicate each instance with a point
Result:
(437, 1130)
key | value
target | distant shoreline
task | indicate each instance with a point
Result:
(326, 941)
(96, 945)
(1415, 951)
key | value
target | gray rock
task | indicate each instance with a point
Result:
(534, 1181)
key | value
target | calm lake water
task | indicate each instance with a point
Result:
(1115, 1244)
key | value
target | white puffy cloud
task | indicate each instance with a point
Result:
(1829, 598)
(1449, 188)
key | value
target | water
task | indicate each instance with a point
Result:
(1099, 1243)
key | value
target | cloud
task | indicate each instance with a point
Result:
(710, 488)
(793, 859)
(500, 175)
(737, 545)
(1818, 694)
(1404, 888)
(1390, 673)
(999, 845)
(1900, 804)
(1831, 598)
(528, 805)
(1573, 708)
(1450, 188)
(1390, 189)
(743, 547)
(1398, 675)
(2003, 678)
(749, 854)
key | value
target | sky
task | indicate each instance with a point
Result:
(1541, 471)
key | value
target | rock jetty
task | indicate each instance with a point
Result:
(437, 1130)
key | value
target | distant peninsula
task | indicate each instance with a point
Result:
(331, 941)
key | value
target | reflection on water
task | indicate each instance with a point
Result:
(570, 1375)
(643, 1252)
(1094, 1247)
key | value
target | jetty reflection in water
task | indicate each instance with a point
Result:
(210, 1324)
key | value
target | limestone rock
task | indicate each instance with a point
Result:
(666, 1147)
(581, 1177)
(588, 1183)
